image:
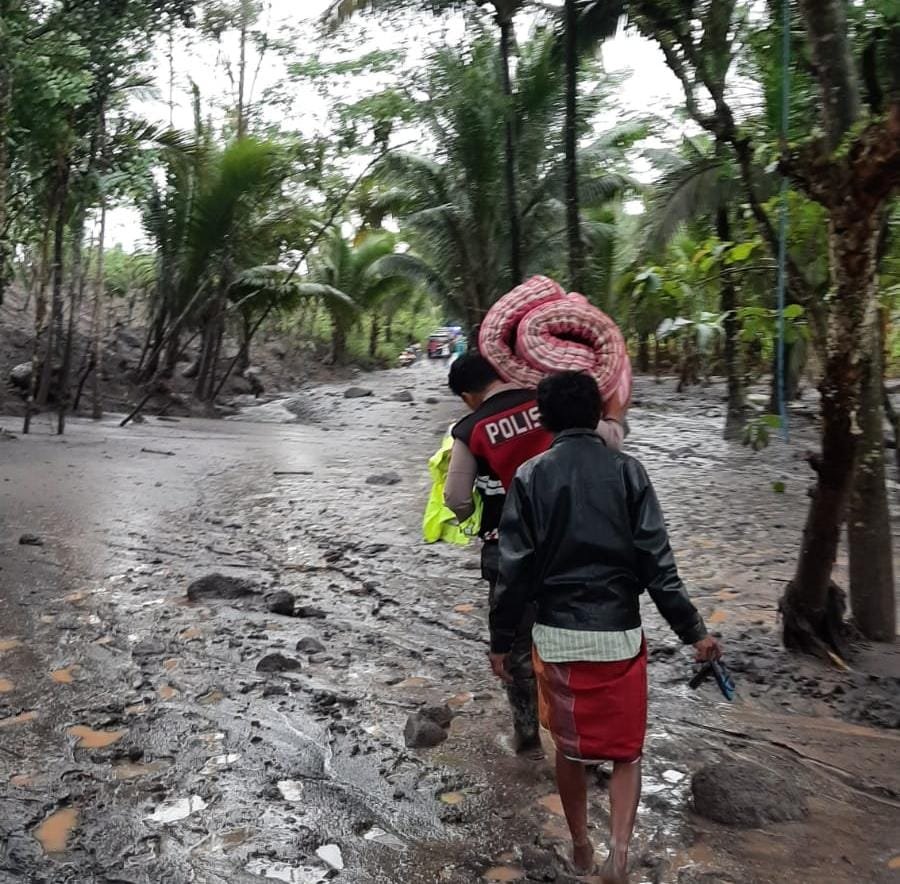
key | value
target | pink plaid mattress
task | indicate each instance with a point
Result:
(537, 329)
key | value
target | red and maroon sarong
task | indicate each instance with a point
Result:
(595, 711)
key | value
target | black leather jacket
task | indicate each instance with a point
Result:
(583, 535)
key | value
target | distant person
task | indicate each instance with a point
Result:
(490, 444)
(582, 536)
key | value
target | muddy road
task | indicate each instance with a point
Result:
(147, 737)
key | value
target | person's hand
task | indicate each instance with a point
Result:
(708, 649)
(498, 666)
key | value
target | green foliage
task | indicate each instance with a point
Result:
(758, 434)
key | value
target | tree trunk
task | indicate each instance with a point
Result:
(812, 609)
(389, 327)
(573, 213)
(77, 229)
(373, 337)
(894, 420)
(338, 343)
(644, 354)
(734, 413)
(97, 318)
(243, 360)
(242, 71)
(512, 198)
(6, 8)
(869, 524)
(56, 308)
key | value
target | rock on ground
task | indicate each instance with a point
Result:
(428, 727)
(310, 645)
(357, 393)
(740, 793)
(280, 602)
(402, 396)
(30, 540)
(278, 663)
(389, 478)
(220, 586)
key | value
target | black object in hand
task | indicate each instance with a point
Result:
(717, 670)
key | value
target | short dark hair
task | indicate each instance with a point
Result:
(471, 373)
(569, 400)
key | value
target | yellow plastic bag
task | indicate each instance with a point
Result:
(439, 523)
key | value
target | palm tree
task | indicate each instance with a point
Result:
(220, 224)
(353, 277)
(452, 210)
(504, 15)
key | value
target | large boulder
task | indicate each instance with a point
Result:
(746, 795)
(220, 586)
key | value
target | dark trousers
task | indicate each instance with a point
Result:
(522, 691)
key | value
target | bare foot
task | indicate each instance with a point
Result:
(583, 857)
(615, 869)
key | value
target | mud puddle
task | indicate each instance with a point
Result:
(197, 766)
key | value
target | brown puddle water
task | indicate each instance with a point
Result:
(21, 781)
(504, 873)
(7, 644)
(128, 770)
(53, 832)
(21, 718)
(88, 738)
(167, 692)
(63, 676)
(5, 685)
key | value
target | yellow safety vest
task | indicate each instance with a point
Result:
(439, 522)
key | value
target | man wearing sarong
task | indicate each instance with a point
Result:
(502, 431)
(581, 537)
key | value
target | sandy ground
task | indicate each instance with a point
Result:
(139, 743)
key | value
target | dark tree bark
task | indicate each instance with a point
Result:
(7, 7)
(573, 210)
(510, 171)
(734, 413)
(54, 328)
(869, 522)
(644, 354)
(373, 336)
(854, 185)
(75, 288)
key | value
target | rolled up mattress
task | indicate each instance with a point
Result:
(537, 329)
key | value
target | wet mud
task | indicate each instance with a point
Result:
(141, 741)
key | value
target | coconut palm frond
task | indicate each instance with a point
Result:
(684, 193)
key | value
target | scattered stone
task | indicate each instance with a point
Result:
(740, 793)
(280, 602)
(427, 728)
(31, 540)
(274, 690)
(20, 375)
(278, 663)
(402, 396)
(440, 715)
(389, 478)
(310, 645)
(357, 393)
(330, 854)
(220, 586)
(432, 400)
(423, 733)
(310, 612)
